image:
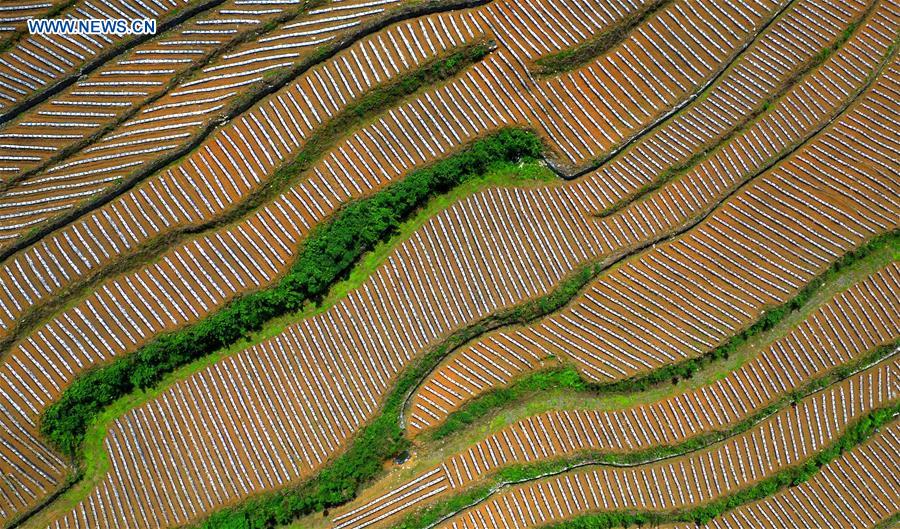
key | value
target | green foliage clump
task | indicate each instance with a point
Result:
(599, 44)
(567, 378)
(327, 256)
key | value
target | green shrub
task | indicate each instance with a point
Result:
(327, 256)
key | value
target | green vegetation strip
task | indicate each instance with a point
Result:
(854, 435)
(383, 438)
(578, 56)
(327, 255)
(325, 137)
(891, 523)
(569, 378)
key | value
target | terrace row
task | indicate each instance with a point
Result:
(150, 72)
(853, 323)
(298, 398)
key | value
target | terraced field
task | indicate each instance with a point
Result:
(451, 263)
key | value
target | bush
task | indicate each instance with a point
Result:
(327, 256)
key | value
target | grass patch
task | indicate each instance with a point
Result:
(568, 378)
(857, 433)
(598, 45)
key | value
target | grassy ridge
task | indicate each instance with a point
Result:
(855, 435)
(327, 255)
(569, 378)
(582, 54)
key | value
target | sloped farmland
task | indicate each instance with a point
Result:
(452, 263)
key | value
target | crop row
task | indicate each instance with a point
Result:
(227, 157)
(689, 295)
(784, 440)
(842, 331)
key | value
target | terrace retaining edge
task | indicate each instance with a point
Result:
(267, 88)
(88, 67)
